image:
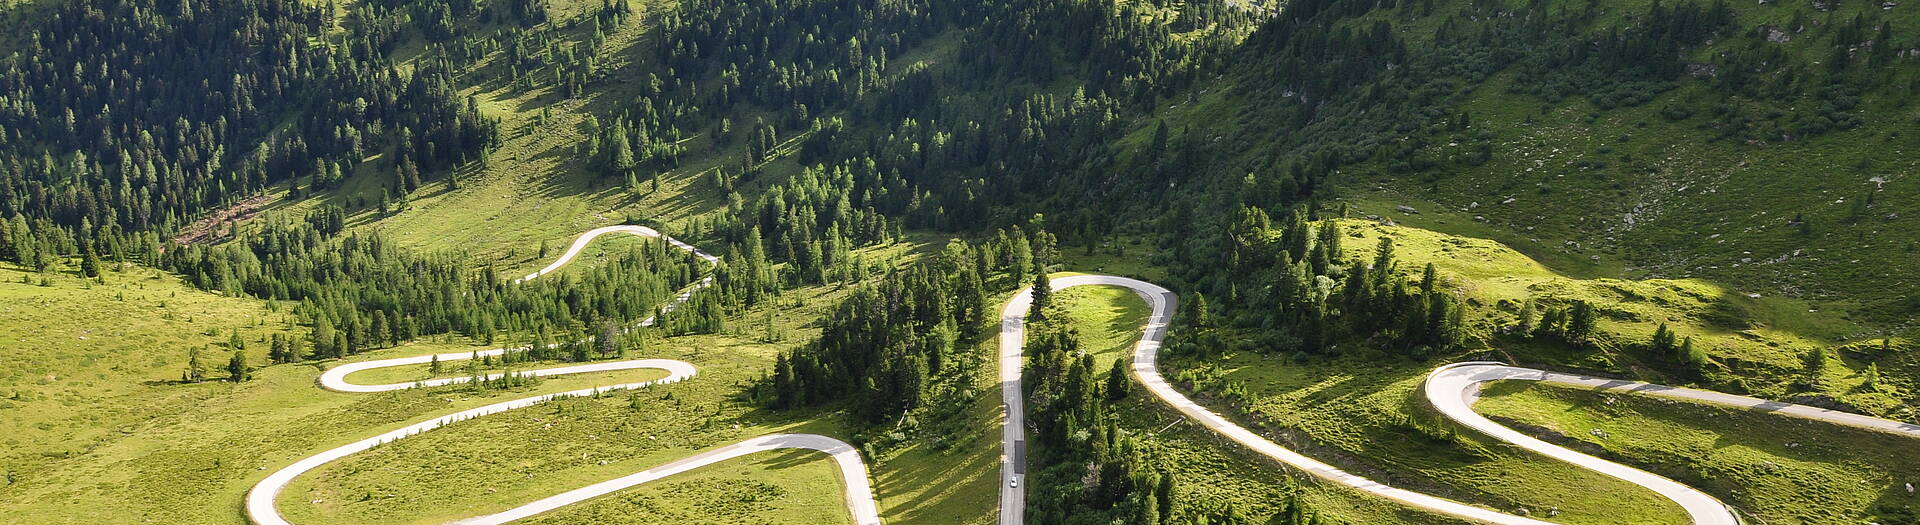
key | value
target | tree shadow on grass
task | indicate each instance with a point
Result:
(958, 482)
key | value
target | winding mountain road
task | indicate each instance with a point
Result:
(580, 244)
(262, 500)
(1459, 384)
(1451, 389)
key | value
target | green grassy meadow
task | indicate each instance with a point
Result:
(101, 431)
(1773, 469)
(1757, 344)
(1362, 416)
(779, 487)
(85, 365)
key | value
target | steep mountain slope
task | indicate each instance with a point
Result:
(1765, 146)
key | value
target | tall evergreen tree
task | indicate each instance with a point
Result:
(237, 367)
(1042, 297)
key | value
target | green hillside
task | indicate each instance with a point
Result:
(1765, 147)
(1344, 194)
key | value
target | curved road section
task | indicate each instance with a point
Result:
(1146, 370)
(1013, 339)
(859, 493)
(580, 244)
(1452, 390)
(262, 505)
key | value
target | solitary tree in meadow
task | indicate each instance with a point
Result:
(237, 367)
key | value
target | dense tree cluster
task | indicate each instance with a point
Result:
(1305, 295)
(361, 292)
(1345, 86)
(931, 166)
(902, 343)
(883, 346)
(816, 219)
(140, 115)
(1082, 468)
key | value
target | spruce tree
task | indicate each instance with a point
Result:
(1527, 318)
(237, 367)
(1580, 322)
(1816, 363)
(1198, 315)
(1163, 496)
(1662, 343)
(1691, 355)
(1042, 297)
(1117, 384)
(89, 263)
(1019, 253)
(324, 336)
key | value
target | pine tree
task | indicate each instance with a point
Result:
(1020, 254)
(1042, 297)
(607, 341)
(1383, 264)
(1198, 315)
(1157, 149)
(1816, 362)
(1662, 344)
(1291, 513)
(1118, 386)
(324, 337)
(89, 263)
(1580, 322)
(237, 367)
(619, 150)
(1163, 496)
(1690, 355)
(1527, 319)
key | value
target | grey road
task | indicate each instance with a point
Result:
(262, 506)
(1452, 390)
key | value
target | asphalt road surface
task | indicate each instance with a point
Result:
(262, 506)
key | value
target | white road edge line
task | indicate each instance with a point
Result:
(262, 500)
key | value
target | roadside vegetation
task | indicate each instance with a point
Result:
(1151, 466)
(1353, 398)
(1775, 469)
